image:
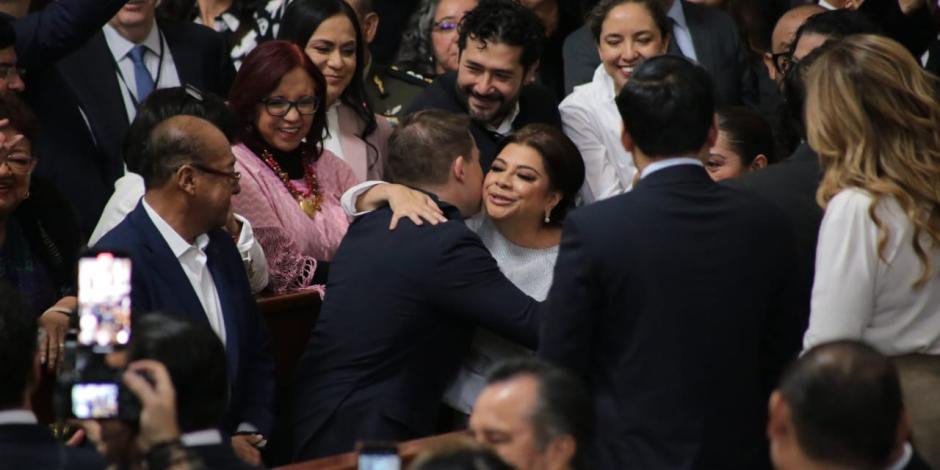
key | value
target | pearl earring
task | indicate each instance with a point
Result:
(548, 214)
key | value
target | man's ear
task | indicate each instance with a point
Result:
(760, 161)
(626, 139)
(778, 417)
(370, 26)
(562, 449)
(771, 67)
(531, 74)
(185, 179)
(459, 168)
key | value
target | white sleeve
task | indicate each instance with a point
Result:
(844, 287)
(349, 198)
(128, 190)
(256, 264)
(601, 180)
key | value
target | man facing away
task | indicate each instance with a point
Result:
(673, 300)
(402, 304)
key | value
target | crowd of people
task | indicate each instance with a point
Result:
(596, 234)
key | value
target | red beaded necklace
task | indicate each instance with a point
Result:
(310, 200)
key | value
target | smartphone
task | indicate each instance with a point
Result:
(104, 301)
(379, 456)
(95, 400)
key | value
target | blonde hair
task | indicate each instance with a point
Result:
(873, 118)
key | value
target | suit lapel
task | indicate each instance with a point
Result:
(229, 303)
(185, 56)
(175, 290)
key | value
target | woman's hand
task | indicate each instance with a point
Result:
(55, 323)
(406, 202)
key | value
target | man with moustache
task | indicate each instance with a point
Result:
(500, 44)
(86, 101)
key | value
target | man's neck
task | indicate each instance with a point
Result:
(136, 33)
(174, 214)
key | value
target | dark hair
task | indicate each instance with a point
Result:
(562, 161)
(504, 22)
(563, 406)
(367, 6)
(17, 347)
(7, 33)
(464, 458)
(668, 106)
(747, 133)
(261, 73)
(301, 20)
(20, 115)
(194, 357)
(836, 24)
(166, 148)
(165, 103)
(188, 10)
(655, 8)
(845, 402)
(793, 90)
(423, 146)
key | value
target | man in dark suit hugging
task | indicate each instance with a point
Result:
(673, 300)
(402, 304)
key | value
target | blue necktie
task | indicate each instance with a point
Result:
(141, 74)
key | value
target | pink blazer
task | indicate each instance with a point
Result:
(358, 154)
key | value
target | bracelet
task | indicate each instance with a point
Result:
(62, 310)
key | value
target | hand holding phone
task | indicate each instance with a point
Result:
(150, 382)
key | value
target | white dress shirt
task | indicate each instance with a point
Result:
(590, 118)
(128, 190)
(667, 163)
(857, 295)
(17, 417)
(333, 142)
(680, 31)
(163, 67)
(505, 127)
(827, 5)
(205, 437)
(193, 259)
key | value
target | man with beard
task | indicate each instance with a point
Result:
(500, 43)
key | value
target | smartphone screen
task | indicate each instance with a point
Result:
(95, 400)
(104, 301)
(379, 459)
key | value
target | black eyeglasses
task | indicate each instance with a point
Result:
(233, 176)
(278, 107)
(782, 61)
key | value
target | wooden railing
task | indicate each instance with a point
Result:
(349, 461)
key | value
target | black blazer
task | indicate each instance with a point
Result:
(158, 283)
(87, 159)
(61, 27)
(537, 104)
(400, 308)
(30, 446)
(673, 302)
(791, 186)
(714, 36)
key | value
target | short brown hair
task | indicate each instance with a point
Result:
(422, 148)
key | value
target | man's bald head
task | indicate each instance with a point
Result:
(172, 143)
(784, 34)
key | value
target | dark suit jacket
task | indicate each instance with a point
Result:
(537, 104)
(29, 446)
(158, 283)
(61, 27)
(791, 186)
(714, 36)
(86, 159)
(673, 301)
(396, 320)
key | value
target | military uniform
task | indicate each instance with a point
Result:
(390, 89)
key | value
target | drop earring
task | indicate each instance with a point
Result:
(548, 215)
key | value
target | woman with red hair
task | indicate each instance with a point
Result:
(290, 185)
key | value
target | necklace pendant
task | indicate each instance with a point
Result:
(309, 207)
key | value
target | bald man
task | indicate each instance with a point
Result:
(783, 35)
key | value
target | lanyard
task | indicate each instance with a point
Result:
(156, 81)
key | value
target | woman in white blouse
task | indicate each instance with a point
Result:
(873, 118)
(627, 32)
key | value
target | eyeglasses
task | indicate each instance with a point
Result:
(278, 107)
(445, 26)
(233, 176)
(8, 70)
(18, 163)
(782, 61)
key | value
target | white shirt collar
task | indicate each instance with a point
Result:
(827, 5)
(505, 127)
(178, 245)
(120, 46)
(667, 163)
(677, 14)
(606, 86)
(904, 459)
(17, 417)
(205, 437)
